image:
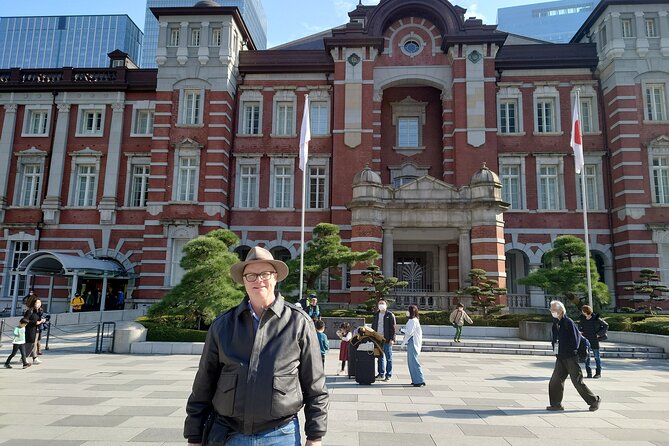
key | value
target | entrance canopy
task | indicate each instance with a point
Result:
(46, 263)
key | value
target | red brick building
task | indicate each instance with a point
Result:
(436, 140)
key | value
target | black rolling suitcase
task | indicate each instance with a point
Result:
(364, 367)
(352, 350)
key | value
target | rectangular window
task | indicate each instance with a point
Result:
(144, 122)
(586, 116)
(284, 118)
(85, 186)
(651, 30)
(283, 186)
(548, 188)
(627, 27)
(194, 37)
(192, 107)
(20, 251)
(139, 186)
(511, 181)
(248, 182)
(317, 179)
(187, 178)
(251, 118)
(507, 116)
(176, 271)
(91, 122)
(591, 186)
(37, 122)
(661, 179)
(655, 103)
(174, 37)
(545, 115)
(318, 114)
(215, 37)
(604, 38)
(407, 131)
(30, 180)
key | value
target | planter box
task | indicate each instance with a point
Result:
(535, 331)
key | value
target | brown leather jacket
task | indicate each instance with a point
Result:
(258, 381)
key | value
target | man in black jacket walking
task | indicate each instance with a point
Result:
(260, 365)
(592, 328)
(565, 346)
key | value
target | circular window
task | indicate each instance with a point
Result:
(411, 46)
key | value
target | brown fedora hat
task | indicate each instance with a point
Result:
(258, 255)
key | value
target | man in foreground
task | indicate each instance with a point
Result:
(566, 338)
(260, 365)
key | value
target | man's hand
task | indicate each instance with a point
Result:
(313, 443)
(391, 342)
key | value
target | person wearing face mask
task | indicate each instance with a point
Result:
(593, 328)
(566, 339)
(413, 341)
(384, 323)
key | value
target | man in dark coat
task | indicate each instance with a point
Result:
(566, 339)
(385, 324)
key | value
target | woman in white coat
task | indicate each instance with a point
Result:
(413, 340)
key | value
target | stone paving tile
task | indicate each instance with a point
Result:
(395, 439)
(383, 415)
(75, 401)
(471, 441)
(155, 422)
(96, 433)
(30, 442)
(497, 431)
(144, 410)
(91, 420)
(633, 414)
(572, 441)
(159, 434)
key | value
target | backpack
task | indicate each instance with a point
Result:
(603, 332)
(583, 349)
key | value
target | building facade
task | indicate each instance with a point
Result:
(252, 12)
(555, 22)
(434, 142)
(66, 41)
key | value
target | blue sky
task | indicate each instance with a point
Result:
(287, 19)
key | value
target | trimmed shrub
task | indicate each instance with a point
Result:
(652, 325)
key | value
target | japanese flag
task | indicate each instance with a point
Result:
(305, 135)
(577, 140)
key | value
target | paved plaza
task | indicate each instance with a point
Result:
(85, 399)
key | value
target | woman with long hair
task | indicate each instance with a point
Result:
(413, 340)
(34, 317)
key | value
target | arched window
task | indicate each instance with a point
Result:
(280, 253)
(242, 251)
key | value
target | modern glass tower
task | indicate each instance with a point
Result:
(252, 12)
(66, 41)
(551, 21)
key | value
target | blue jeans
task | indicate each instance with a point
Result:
(286, 435)
(598, 360)
(384, 370)
(415, 369)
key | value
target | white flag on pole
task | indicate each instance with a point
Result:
(305, 135)
(577, 140)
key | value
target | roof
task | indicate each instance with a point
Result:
(54, 263)
(285, 61)
(550, 55)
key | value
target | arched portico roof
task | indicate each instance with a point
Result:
(49, 263)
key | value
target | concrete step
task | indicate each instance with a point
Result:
(608, 348)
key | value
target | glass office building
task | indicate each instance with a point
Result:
(252, 12)
(66, 41)
(550, 21)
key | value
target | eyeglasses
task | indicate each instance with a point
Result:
(252, 277)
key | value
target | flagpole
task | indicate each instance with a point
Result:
(584, 205)
(305, 137)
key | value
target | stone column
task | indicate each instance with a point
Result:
(443, 268)
(108, 203)
(464, 256)
(616, 45)
(641, 39)
(226, 43)
(388, 251)
(6, 144)
(664, 32)
(51, 205)
(203, 50)
(161, 49)
(182, 51)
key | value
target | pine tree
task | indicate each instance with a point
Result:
(206, 289)
(379, 286)
(484, 293)
(649, 283)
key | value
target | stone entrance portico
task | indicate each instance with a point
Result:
(429, 231)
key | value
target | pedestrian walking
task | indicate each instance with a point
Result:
(566, 339)
(413, 341)
(18, 345)
(34, 317)
(385, 324)
(593, 329)
(457, 319)
(322, 339)
(345, 335)
(260, 365)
